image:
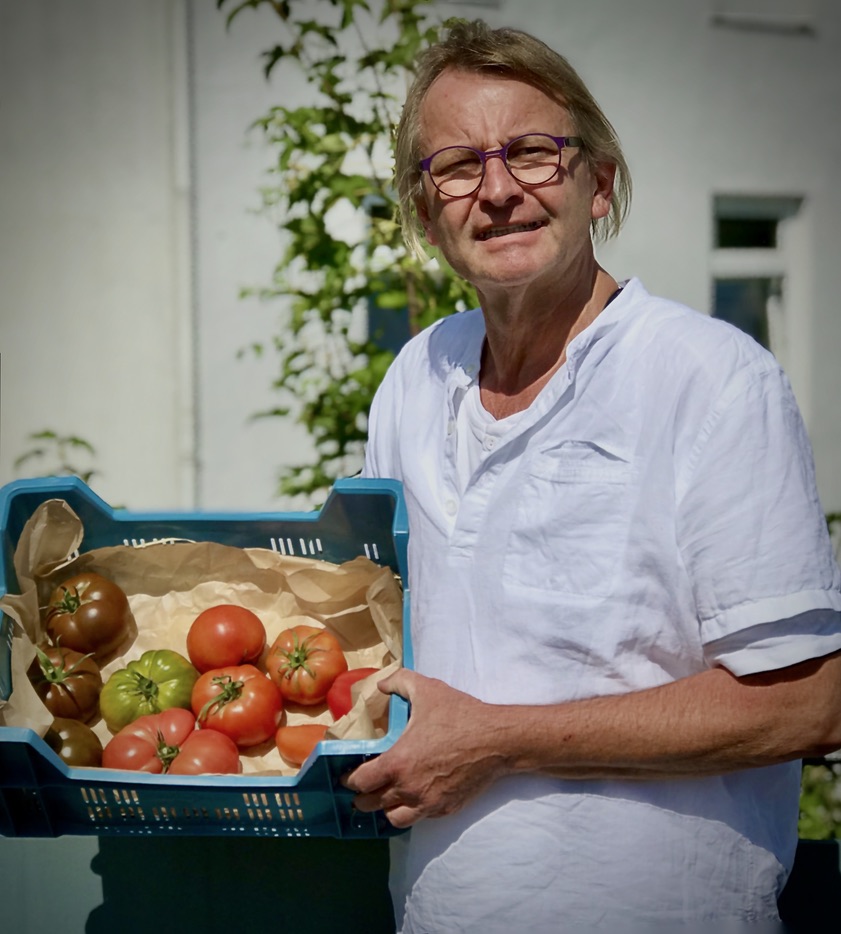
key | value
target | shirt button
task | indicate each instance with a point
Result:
(451, 507)
(451, 427)
(489, 444)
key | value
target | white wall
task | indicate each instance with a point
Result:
(94, 301)
(237, 247)
(127, 213)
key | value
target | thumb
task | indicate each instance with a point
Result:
(399, 682)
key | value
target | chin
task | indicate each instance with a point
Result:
(501, 271)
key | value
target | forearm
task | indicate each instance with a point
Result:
(705, 724)
(709, 723)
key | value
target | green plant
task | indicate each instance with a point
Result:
(820, 802)
(335, 203)
(53, 454)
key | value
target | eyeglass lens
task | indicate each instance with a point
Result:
(458, 171)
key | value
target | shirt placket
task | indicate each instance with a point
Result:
(458, 383)
(466, 512)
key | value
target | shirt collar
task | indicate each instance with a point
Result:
(465, 355)
(602, 325)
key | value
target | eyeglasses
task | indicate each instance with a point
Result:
(457, 171)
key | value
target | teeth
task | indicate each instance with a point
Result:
(502, 231)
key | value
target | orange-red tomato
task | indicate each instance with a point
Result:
(339, 699)
(225, 634)
(295, 743)
(303, 662)
(239, 701)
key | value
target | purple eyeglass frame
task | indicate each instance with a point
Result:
(562, 142)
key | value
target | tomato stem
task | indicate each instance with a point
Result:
(69, 603)
(56, 674)
(231, 690)
(146, 686)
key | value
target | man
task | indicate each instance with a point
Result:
(625, 608)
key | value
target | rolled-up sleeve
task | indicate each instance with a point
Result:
(753, 535)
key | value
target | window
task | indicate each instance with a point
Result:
(745, 232)
(753, 264)
(745, 303)
(388, 328)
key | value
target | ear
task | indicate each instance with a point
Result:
(426, 221)
(603, 176)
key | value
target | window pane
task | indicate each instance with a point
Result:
(744, 302)
(746, 233)
(388, 328)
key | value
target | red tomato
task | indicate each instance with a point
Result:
(239, 701)
(225, 635)
(303, 662)
(207, 751)
(295, 743)
(169, 742)
(339, 698)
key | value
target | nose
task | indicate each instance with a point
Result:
(498, 184)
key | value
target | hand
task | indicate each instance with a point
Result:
(443, 758)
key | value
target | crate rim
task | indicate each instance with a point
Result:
(357, 484)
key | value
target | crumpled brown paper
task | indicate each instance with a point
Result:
(169, 583)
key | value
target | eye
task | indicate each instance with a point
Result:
(455, 162)
(532, 150)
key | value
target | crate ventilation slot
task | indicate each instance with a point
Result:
(271, 812)
(301, 546)
(142, 542)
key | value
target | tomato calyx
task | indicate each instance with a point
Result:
(57, 674)
(69, 603)
(298, 656)
(145, 687)
(231, 691)
(166, 753)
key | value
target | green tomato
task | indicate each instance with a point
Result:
(158, 680)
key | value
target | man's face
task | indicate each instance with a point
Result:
(506, 234)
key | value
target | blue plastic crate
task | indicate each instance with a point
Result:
(40, 796)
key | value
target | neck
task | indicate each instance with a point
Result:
(527, 338)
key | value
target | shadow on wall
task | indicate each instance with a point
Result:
(177, 885)
(220, 884)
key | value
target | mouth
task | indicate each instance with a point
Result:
(491, 232)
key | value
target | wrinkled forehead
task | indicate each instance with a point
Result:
(458, 99)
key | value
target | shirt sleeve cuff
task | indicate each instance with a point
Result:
(778, 644)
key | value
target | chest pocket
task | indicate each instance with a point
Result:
(571, 520)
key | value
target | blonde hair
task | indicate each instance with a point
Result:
(475, 47)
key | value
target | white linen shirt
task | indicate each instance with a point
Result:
(651, 514)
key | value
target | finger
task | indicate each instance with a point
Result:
(402, 816)
(373, 801)
(367, 777)
(395, 806)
